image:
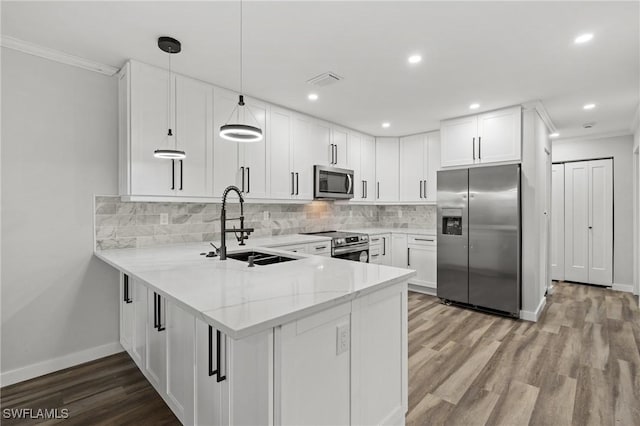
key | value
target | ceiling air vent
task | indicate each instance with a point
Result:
(325, 79)
(589, 125)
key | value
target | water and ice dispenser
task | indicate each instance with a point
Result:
(452, 221)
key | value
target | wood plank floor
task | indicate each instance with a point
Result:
(579, 365)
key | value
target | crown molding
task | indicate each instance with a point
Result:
(56, 55)
(538, 106)
(604, 135)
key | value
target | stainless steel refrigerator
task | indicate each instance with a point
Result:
(479, 237)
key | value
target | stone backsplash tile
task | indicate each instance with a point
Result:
(137, 224)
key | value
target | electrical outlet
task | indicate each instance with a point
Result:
(342, 337)
(399, 213)
(265, 215)
(350, 213)
(164, 218)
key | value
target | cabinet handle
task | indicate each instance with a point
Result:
(320, 247)
(375, 255)
(479, 147)
(181, 167)
(155, 310)
(425, 188)
(158, 298)
(335, 147)
(422, 239)
(384, 246)
(421, 189)
(297, 183)
(127, 296)
(474, 149)
(331, 153)
(363, 189)
(293, 185)
(378, 191)
(211, 370)
(408, 256)
(366, 189)
(219, 376)
(242, 171)
(173, 174)
(248, 180)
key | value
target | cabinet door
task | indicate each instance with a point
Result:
(296, 248)
(150, 122)
(226, 170)
(399, 250)
(600, 222)
(387, 169)
(422, 258)
(499, 135)
(253, 156)
(458, 141)
(320, 143)
(355, 156)
(194, 122)
(375, 253)
(180, 334)
(412, 156)
(303, 158)
(211, 396)
(156, 365)
(140, 307)
(314, 369)
(379, 358)
(281, 182)
(368, 166)
(576, 232)
(339, 139)
(320, 249)
(127, 312)
(432, 166)
(382, 243)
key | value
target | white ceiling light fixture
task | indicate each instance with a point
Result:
(554, 135)
(313, 96)
(171, 46)
(583, 38)
(589, 106)
(241, 132)
(386, 125)
(474, 106)
(414, 59)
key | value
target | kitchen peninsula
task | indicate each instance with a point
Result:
(310, 340)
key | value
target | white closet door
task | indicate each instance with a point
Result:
(576, 222)
(600, 222)
(557, 222)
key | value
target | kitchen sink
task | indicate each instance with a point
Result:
(259, 258)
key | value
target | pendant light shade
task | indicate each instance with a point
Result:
(241, 132)
(171, 46)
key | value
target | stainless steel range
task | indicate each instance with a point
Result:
(347, 245)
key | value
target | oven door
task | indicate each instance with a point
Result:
(332, 183)
(358, 254)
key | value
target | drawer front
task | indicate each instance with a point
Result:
(425, 240)
(320, 249)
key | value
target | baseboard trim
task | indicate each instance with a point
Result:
(534, 316)
(627, 288)
(422, 289)
(45, 367)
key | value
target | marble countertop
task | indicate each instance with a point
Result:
(241, 301)
(375, 231)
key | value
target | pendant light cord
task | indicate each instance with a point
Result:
(169, 96)
(241, 92)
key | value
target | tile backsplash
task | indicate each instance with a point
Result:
(120, 224)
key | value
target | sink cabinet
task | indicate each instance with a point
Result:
(285, 375)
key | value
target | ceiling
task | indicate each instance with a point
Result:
(493, 53)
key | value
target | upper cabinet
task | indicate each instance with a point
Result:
(362, 154)
(252, 157)
(339, 142)
(485, 138)
(387, 169)
(419, 163)
(146, 115)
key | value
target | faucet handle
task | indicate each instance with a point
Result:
(217, 250)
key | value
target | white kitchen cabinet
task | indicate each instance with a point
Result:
(211, 395)
(303, 158)
(433, 165)
(380, 249)
(320, 249)
(139, 348)
(313, 368)
(421, 256)
(387, 169)
(339, 138)
(156, 347)
(362, 154)
(399, 250)
(320, 142)
(252, 157)
(146, 115)
(127, 313)
(226, 170)
(491, 137)
(355, 163)
(294, 248)
(419, 164)
(379, 357)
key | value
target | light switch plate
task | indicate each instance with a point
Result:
(399, 213)
(265, 215)
(343, 337)
(164, 218)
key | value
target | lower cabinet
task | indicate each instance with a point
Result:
(422, 257)
(320, 249)
(399, 250)
(380, 249)
(343, 365)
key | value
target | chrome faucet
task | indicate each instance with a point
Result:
(223, 224)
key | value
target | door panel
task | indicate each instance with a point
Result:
(253, 156)
(412, 161)
(600, 222)
(303, 158)
(458, 139)
(494, 241)
(576, 237)
(280, 124)
(499, 135)
(225, 153)
(453, 254)
(368, 166)
(180, 361)
(557, 222)
(432, 161)
(387, 169)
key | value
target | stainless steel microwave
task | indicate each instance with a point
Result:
(332, 183)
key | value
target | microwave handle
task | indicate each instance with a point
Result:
(350, 187)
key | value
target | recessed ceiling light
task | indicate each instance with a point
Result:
(386, 125)
(313, 96)
(474, 106)
(414, 59)
(589, 106)
(554, 135)
(583, 38)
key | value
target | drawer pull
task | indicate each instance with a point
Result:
(423, 239)
(320, 247)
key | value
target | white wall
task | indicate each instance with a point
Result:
(59, 147)
(619, 148)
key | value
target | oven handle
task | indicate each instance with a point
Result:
(350, 249)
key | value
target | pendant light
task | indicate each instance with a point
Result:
(241, 132)
(171, 46)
